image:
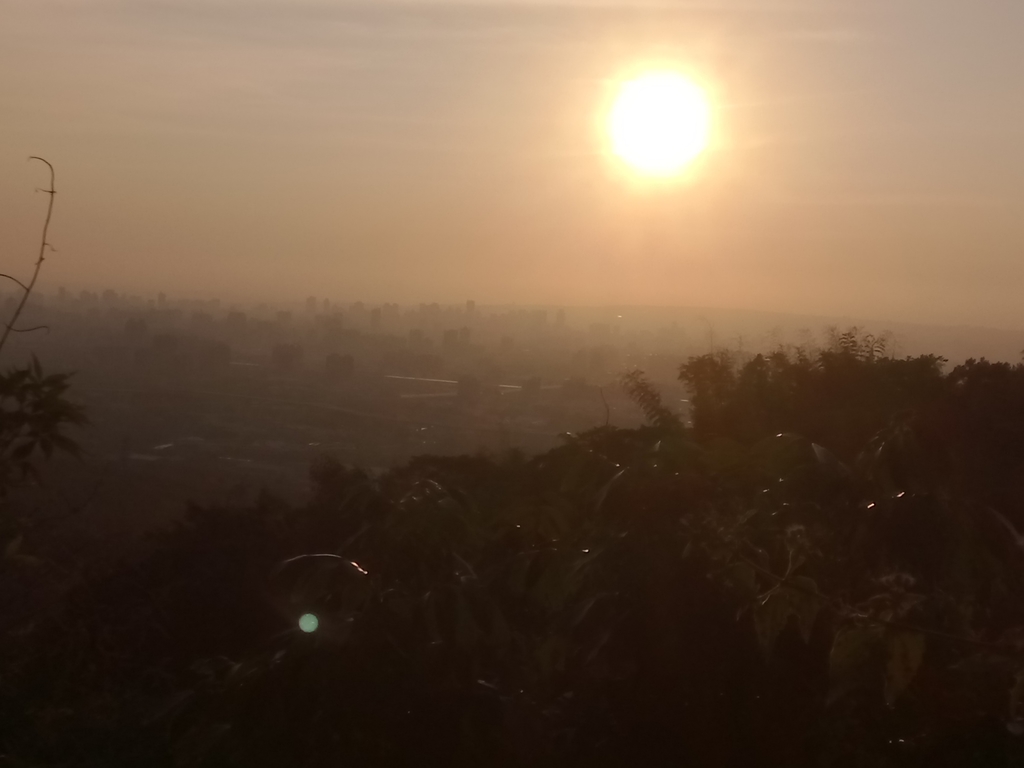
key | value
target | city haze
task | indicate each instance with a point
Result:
(865, 160)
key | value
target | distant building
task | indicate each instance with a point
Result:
(210, 355)
(165, 344)
(450, 340)
(174, 355)
(135, 328)
(417, 341)
(202, 321)
(286, 358)
(334, 328)
(236, 322)
(339, 366)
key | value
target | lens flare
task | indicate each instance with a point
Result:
(308, 623)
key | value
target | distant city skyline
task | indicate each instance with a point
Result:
(702, 328)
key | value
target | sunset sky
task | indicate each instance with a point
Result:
(866, 158)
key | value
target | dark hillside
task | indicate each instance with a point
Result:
(821, 572)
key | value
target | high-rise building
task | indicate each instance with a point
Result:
(236, 321)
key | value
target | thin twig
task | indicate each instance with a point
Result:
(10, 277)
(12, 329)
(9, 327)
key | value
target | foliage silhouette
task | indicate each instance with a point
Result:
(726, 595)
(33, 412)
(33, 409)
(632, 596)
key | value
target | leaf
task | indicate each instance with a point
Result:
(22, 451)
(430, 617)
(805, 604)
(30, 560)
(829, 462)
(519, 574)
(402, 607)
(688, 550)
(799, 601)
(551, 655)
(501, 634)
(467, 633)
(743, 578)
(66, 444)
(603, 493)
(906, 651)
(13, 546)
(853, 660)
(581, 612)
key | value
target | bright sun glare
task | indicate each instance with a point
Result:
(659, 123)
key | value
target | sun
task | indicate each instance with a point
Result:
(659, 123)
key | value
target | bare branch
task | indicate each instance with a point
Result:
(10, 277)
(43, 244)
(12, 329)
(51, 190)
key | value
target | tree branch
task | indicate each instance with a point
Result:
(9, 327)
(9, 277)
(12, 329)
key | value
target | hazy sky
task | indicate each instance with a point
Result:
(868, 157)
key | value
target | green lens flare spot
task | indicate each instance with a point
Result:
(308, 623)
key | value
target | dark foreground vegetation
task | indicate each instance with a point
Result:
(823, 571)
